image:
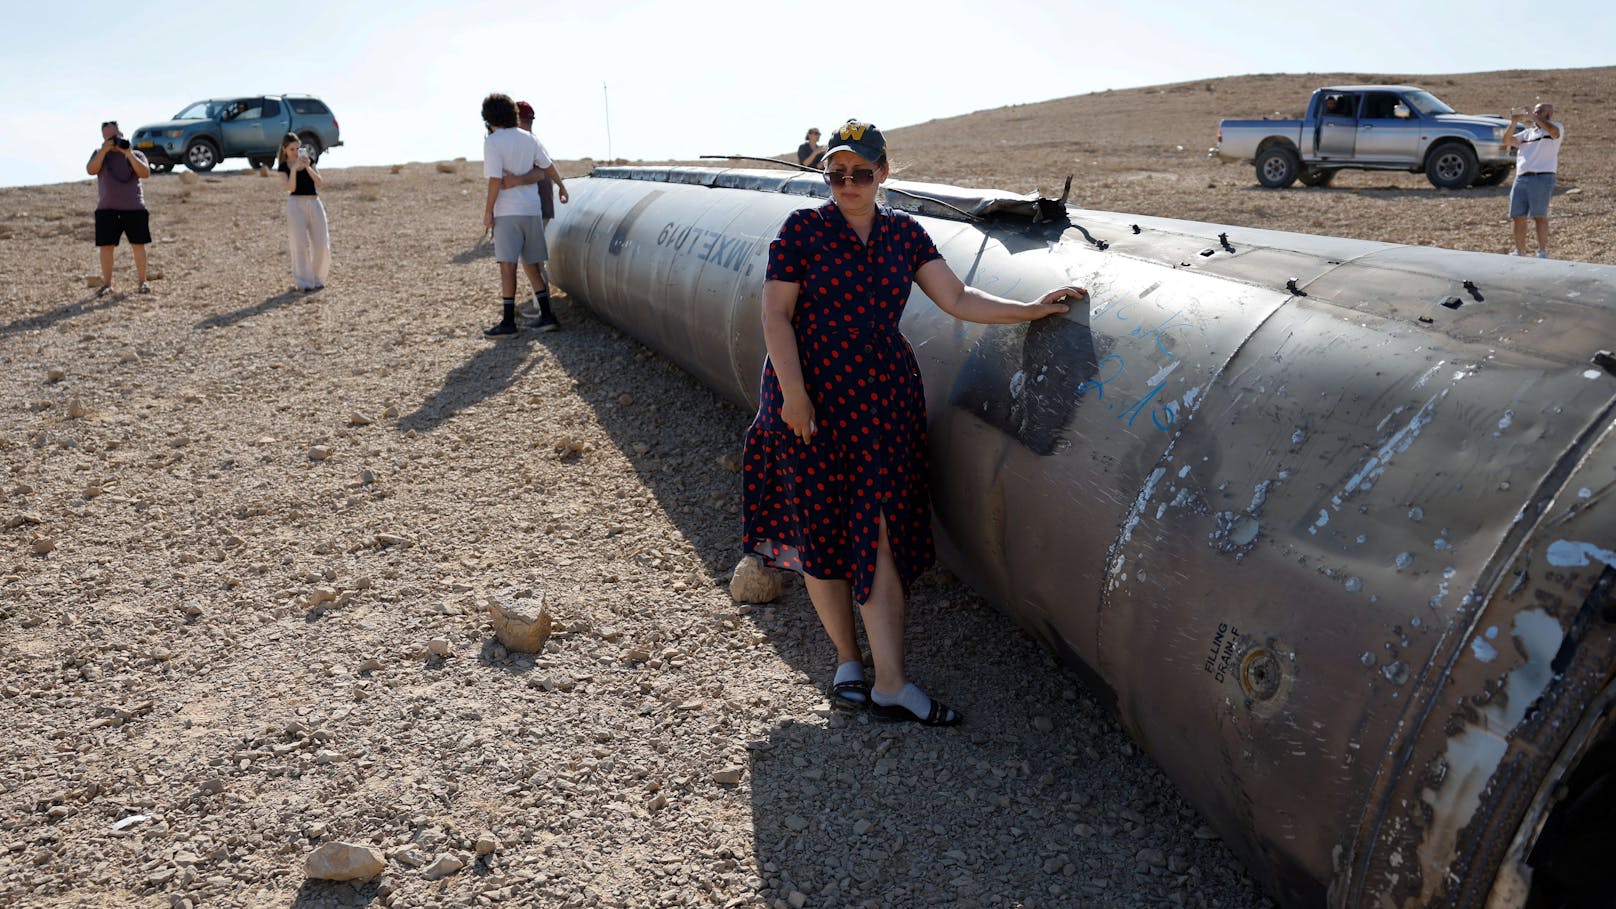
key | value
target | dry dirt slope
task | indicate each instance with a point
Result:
(1144, 151)
(163, 540)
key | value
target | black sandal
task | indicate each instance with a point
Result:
(939, 715)
(841, 694)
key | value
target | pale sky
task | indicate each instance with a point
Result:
(651, 80)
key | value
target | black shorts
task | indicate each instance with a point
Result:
(112, 223)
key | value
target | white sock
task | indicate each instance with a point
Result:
(911, 698)
(850, 671)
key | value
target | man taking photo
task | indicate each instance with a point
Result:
(1537, 158)
(121, 208)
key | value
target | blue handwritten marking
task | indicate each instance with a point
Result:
(1142, 332)
(1155, 413)
(1099, 384)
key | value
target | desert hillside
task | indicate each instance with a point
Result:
(1145, 151)
(248, 537)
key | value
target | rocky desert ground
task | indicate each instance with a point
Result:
(248, 538)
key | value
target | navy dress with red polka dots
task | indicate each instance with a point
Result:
(816, 508)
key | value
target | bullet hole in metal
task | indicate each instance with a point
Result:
(1136, 229)
(1260, 673)
(1223, 240)
(1471, 286)
(1605, 360)
(1427, 320)
(1290, 285)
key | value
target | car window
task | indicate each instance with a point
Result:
(248, 109)
(201, 110)
(1339, 104)
(1427, 104)
(1380, 106)
(272, 108)
(307, 106)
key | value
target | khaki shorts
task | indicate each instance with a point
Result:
(520, 238)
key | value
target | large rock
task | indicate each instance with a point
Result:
(522, 626)
(343, 862)
(754, 583)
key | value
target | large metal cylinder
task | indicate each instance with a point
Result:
(1329, 524)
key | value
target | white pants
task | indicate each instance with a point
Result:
(310, 239)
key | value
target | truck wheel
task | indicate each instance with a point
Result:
(202, 155)
(1277, 166)
(1451, 165)
(312, 143)
(1317, 177)
(1492, 177)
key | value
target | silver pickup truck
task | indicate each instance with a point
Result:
(1371, 127)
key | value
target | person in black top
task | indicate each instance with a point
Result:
(810, 151)
(305, 216)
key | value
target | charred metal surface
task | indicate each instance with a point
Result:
(1328, 522)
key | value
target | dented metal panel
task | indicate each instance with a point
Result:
(1318, 518)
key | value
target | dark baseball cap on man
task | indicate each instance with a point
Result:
(524, 110)
(858, 137)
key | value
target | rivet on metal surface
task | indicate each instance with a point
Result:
(1260, 673)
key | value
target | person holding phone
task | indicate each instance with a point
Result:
(307, 230)
(835, 463)
(1537, 159)
(120, 209)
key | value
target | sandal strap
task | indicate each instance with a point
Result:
(851, 686)
(940, 714)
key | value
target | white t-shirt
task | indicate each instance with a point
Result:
(1539, 151)
(516, 152)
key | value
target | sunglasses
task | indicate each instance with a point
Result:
(861, 177)
(109, 123)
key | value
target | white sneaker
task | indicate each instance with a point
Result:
(1542, 254)
(1514, 252)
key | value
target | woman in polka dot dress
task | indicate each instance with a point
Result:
(835, 466)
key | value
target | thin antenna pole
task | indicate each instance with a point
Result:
(607, 100)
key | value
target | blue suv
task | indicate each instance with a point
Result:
(251, 127)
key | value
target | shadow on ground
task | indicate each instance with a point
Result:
(226, 319)
(482, 249)
(59, 314)
(491, 370)
(333, 894)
